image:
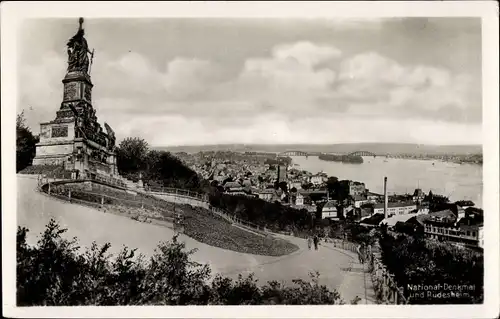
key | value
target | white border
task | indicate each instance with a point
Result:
(12, 14)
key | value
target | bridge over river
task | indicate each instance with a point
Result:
(339, 269)
(303, 153)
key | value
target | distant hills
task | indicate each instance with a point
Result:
(377, 148)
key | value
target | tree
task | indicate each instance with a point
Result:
(25, 143)
(214, 183)
(170, 171)
(283, 186)
(307, 186)
(413, 259)
(131, 155)
(330, 183)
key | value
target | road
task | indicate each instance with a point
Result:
(338, 269)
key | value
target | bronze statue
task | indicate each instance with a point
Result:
(111, 136)
(78, 51)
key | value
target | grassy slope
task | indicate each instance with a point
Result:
(200, 224)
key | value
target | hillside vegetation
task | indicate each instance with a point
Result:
(198, 224)
(273, 216)
(416, 261)
(53, 273)
(156, 168)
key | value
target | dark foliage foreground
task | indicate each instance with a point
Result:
(452, 275)
(54, 272)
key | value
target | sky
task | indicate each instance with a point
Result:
(195, 81)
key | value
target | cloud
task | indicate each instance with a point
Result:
(306, 53)
(370, 80)
(301, 92)
(40, 88)
(289, 80)
(180, 130)
(354, 23)
(189, 77)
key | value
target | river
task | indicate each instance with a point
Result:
(457, 181)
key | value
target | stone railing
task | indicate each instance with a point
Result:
(386, 289)
(138, 209)
(48, 183)
(178, 192)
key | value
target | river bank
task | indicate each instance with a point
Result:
(457, 181)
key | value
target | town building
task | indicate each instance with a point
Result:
(330, 211)
(465, 204)
(317, 179)
(445, 226)
(374, 197)
(75, 139)
(393, 220)
(358, 200)
(234, 188)
(418, 195)
(267, 194)
(356, 188)
(298, 199)
(350, 212)
(395, 208)
(423, 209)
(295, 184)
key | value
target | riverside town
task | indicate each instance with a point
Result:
(242, 223)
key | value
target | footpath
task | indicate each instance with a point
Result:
(356, 274)
(339, 268)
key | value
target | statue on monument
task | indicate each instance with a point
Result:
(78, 51)
(111, 137)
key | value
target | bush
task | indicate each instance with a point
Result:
(25, 144)
(414, 260)
(136, 160)
(270, 215)
(56, 273)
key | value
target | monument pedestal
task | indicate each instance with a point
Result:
(75, 139)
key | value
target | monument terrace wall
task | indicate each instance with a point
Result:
(181, 199)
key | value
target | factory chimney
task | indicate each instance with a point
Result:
(385, 197)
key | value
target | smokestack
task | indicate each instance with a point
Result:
(278, 172)
(385, 197)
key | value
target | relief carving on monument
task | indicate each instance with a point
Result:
(59, 131)
(64, 114)
(45, 132)
(70, 91)
(88, 93)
